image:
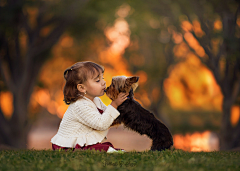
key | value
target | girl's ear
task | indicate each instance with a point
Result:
(81, 88)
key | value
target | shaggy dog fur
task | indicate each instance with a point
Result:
(135, 117)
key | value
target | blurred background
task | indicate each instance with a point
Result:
(186, 53)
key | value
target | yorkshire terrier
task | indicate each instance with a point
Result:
(135, 117)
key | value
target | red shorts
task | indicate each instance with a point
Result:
(99, 146)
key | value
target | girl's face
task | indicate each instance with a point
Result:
(95, 86)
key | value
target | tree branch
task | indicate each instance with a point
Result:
(27, 27)
(6, 51)
(6, 76)
(236, 14)
(17, 61)
(49, 41)
(236, 80)
(4, 68)
(221, 51)
(209, 63)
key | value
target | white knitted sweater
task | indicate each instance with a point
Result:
(83, 124)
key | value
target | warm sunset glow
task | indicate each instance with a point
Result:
(186, 26)
(218, 25)
(143, 77)
(67, 41)
(191, 85)
(238, 21)
(43, 98)
(189, 28)
(51, 76)
(193, 43)
(181, 50)
(6, 103)
(197, 28)
(177, 37)
(119, 35)
(143, 98)
(195, 142)
(123, 10)
(235, 115)
(155, 94)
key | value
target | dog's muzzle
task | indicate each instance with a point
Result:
(106, 89)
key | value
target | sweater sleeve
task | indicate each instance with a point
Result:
(104, 107)
(87, 115)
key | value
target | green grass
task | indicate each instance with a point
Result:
(179, 160)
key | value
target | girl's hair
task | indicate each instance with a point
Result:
(78, 73)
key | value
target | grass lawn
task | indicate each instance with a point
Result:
(27, 160)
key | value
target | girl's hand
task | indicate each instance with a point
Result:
(119, 100)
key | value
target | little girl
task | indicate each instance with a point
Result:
(86, 122)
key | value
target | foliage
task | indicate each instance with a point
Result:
(95, 160)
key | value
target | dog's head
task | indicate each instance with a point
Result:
(121, 84)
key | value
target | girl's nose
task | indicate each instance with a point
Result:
(104, 82)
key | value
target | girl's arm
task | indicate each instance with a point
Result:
(103, 106)
(88, 115)
(120, 99)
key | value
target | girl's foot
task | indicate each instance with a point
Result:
(112, 150)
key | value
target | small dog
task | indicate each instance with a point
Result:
(135, 117)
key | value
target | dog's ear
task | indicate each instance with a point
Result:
(132, 82)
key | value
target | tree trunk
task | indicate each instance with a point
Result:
(229, 134)
(15, 132)
(20, 69)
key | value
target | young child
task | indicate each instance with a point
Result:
(86, 122)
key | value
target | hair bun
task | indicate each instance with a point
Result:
(66, 73)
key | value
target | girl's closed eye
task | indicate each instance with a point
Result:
(99, 79)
